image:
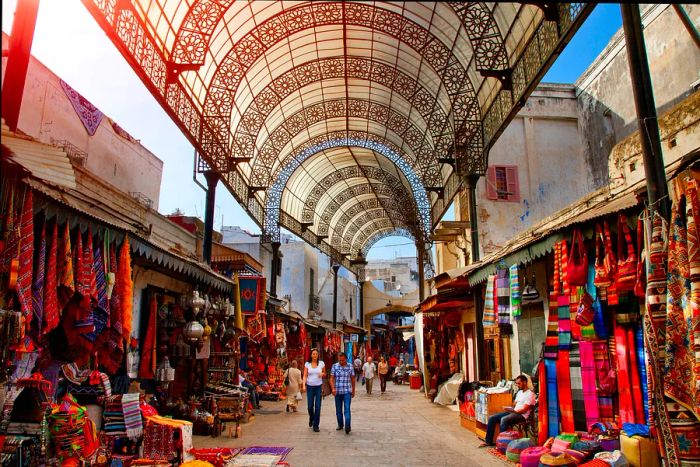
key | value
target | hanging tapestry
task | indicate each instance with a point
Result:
(51, 311)
(38, 286)
(588, 381)
(90, 115)
(250, 294)
(503, 301)
(147, 364)
(515, 309)
(126, 288)
(255, 326)
(579, 405)
(26, 256)
(66, 281)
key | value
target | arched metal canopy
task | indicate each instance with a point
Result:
(343, 122)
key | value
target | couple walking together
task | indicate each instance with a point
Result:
(369, 371)
(342, 383)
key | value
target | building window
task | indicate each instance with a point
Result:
(502, 183)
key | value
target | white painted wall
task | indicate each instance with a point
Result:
(48, 115)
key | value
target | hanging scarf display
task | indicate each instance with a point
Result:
(543, 404)
(26, 257)
(101, 311)
(51, 311)
(642, 365)
(10, 249)
(132, 415)
(635, 383)
(66, 280)
(489, 305)
(503, 301)
(515, 309)
(126, 288)
(588, 381)
(578, 401)
(623, 376)
(38, 286)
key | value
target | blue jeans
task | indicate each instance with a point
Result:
(313, 399)
(342, 401)
(505, 419)
(252, 392)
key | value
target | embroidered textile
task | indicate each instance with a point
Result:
(66, 280)
(489, 302)
(589, 383)
(642, 364)
(51, 311)
(579, 406)
(26, 256)
(38, 286)
(88, 113)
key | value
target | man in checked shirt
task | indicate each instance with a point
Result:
(343, 388)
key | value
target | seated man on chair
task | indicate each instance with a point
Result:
(524, 402)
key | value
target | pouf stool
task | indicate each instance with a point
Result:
(639, 451)
(530, 457)
(614, 458)
(504, 438)
(516, 447)
(589, 448)
(557, 459)
(578, 456)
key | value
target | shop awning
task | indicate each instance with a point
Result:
(239, 261)
(434, 305)
(46, 162)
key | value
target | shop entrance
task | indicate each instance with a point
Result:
(531, 334)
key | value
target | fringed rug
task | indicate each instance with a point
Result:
(281, 451)
(254, 460)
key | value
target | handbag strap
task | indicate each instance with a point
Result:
(623, 234)
(557, 259)
(577, 251)
(599, 255)
(564, 260)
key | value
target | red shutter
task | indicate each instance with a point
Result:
(491, 192)
(512, 183)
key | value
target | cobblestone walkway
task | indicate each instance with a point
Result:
(397, 428)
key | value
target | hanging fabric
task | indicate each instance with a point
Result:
(66, 279)
(588, 381)
(26, 257)
(503, 301)
(126, 288)
(147, 364)
(577, 265)
(51, 310)
(626, 274)
(543, 404)
(635, 383)
(623, 375)
(38, 286)
(577, 398)
(654, 334)
(489, 303)
(515, 309)
(642, 365)
(564, 342)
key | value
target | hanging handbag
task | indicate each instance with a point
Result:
(605, 263)
(585, 312)
(626, 276)
(577, 269)
(640, 285)
(530, 293)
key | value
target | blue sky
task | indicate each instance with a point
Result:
(98, 71)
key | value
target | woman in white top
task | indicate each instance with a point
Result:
(314, 372)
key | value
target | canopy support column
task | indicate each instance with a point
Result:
(362, 303)
(212, 180)
(275, 268)
(420, 249)
(470, 181)
(657, 189)
(335, 294)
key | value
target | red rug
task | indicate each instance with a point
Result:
(497, 453)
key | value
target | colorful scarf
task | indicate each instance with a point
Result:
(132, 415)
(642, 365)
(588, 381)
(635, 382)
(126, 287)
(26, 257)
(66, 280)
(503, 300)
(489, 305)
(38, 287)
(51, 311)
(552, 397)
(579, 406)
(624, 385)
(515, 309)
(543, 404)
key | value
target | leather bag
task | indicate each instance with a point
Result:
(605, 263)
(585, 312)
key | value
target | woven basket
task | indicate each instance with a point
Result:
(516, 447)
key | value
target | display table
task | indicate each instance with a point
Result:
(487, 405)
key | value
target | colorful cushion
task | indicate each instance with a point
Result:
(504, 438)
(530, 457)
(587, 447)
(570, 437)
(560, 445)
(557, 459)
(516, 447)
(578, 456)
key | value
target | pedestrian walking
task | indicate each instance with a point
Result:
(343, 389)
(383, 370)
(314, 372)
(293, 381)
(357, 364)
(369, 371)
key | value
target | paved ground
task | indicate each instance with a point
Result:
(399, 428)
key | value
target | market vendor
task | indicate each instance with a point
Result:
(525, 400)
(400, 372)
(252, 390)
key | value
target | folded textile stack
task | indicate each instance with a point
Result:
(73, 434)
(113, 417)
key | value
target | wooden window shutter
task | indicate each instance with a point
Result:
(513, 183)
(491, 192)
